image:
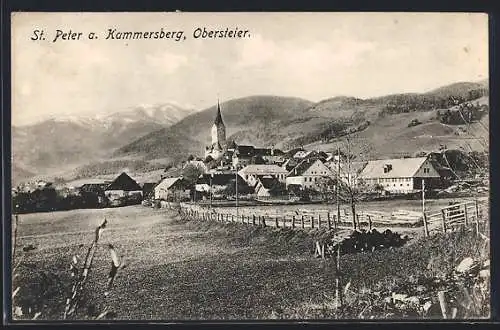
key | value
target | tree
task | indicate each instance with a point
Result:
(351, 188)
(191, 173)
(243, 187)
(210, 162)
(379, 189)
(326, 186)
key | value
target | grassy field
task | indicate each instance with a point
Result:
(178, 270)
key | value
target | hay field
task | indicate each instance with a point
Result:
(179, 270)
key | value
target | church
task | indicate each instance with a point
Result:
(229, 153)
(219, 144)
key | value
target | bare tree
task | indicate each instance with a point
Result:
(351, 188)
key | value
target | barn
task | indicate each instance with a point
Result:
(123, 191)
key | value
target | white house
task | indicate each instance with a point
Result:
(168, 187)
(403, 175)
(308, 173)
(251, 172)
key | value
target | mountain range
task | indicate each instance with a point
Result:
(166, 134)
(57, 144)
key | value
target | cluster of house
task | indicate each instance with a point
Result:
(265, 172)
(270, 171)
(122, 190)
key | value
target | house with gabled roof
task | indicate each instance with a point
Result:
(250, 172)
(267, 185)
(308, 174)
(123, 190)
(404, 175)
(218, 181)
(167, 188)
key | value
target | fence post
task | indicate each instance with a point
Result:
(284, 221)
(312, 221)
(319, 220)
(302, 220)
(477, 217)
(369, 222)
(232, 217)
(334, 221)
(426, 228)
(277, 225)
(329, 221)
(264, 221)
(293, 221)
(253, 219)
(443, 220)
(466, 216)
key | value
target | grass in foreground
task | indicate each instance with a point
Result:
(192, 270)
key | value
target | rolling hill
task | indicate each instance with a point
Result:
(147, 139)
(289, 123)
(255, 119)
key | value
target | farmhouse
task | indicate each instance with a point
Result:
(267, 185)
(218, 182)
(123, 190)
(307, 174)
(251, 172)
(171, 188)
(403, 175)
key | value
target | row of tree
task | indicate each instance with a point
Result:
(49, 199)
(465, 114)
(404, 103)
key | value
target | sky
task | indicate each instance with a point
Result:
(309, 55)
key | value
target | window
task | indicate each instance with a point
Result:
(426, 170)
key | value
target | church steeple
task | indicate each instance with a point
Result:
(218, 117)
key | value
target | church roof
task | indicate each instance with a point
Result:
(218, 117)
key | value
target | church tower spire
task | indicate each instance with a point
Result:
(218, 129)
(218, 117)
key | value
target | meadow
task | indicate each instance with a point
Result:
(186, 270)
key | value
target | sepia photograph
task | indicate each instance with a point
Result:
(181, 166)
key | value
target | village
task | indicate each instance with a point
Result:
(296, 203)
(230, 173)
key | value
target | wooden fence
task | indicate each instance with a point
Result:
(468, 213)
(303, 218)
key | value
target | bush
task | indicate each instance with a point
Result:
(414, 122)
